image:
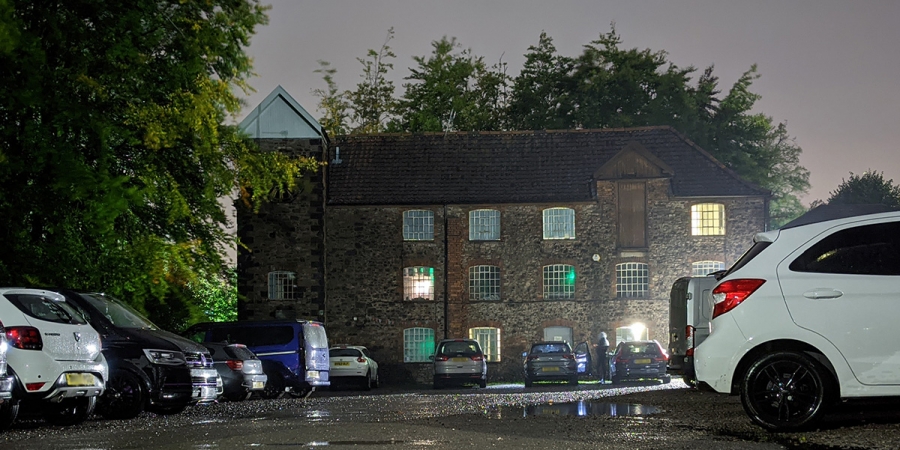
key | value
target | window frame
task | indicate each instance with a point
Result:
(560, 290)
(484, 218)
(698, 268)
(287, 292)
(558, 223)
(410, 278)
(478, 285)
(702, 224)
(630, 285)
(418, 225)
(490, 347)
(413, 336)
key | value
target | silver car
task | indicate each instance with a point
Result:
(459, 361)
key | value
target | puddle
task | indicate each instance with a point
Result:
(582, 408)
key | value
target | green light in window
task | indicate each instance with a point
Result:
(431, 272)
(570, 276)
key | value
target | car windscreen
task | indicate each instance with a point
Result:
(47, 308)
(117, 312)
(314, 334)
(550, 348)
(351, 352)
(253, 335)
(461, 348)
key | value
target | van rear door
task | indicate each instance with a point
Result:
(315, 344)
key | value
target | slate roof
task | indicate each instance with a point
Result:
(511, 167)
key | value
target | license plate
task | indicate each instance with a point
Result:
(459, 359)
(550, 369)
(258, 385)
(79, 379)
(642, 361)
(341, 363)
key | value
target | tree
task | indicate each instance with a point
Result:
(372, 103)
(540, 97)
(332, 102)
(868, 188)
(117, 148)
(451, 91)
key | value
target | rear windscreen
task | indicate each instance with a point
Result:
(462, 348)
(314, 333)
(550, 348)
(747, 257)
(253, 336)
(351, 352)
(47, 308)
(242, 353)
(640, 349)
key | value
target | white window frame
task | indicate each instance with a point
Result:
(704, 268)
(632, 280)
(418, 225)
(708, 219)
(555, 285)
(484, 225)
(559, 223)
(418, 283)
(484, 282)
(412, 338)
(282, 285)
(489, 340)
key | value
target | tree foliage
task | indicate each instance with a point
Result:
(868, 188)
(116, 148)
(372, 104)
(541, 93)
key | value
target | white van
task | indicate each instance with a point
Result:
(690, 310)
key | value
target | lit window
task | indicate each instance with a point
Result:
(559, 281)
(484, 225)
(418, 225)
(632, 280)
(489, 340)
(708, 219)
(704, 268)
(418, 283)
(559, 223)
(418, 344)
(484, 283)
(282, 285)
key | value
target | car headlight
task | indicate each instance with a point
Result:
(164, 357)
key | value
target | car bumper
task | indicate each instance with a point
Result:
(540, 373)
(337, 372)
(254, 382)
(7, 383)
(716, 358)
(205, 385)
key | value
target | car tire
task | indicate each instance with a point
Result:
(377, 383)
(367, 382)
(482, 383)
(528, 382)
(274, 387)
(573, 380)
(237, 396)
(666, 379)
(770, 388)
(616, 380)
(437, 384)
(70, 411)
(9, 410)
(166, 410)
(124, 397)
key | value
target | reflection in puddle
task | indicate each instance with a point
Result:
(580, 408)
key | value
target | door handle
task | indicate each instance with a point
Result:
(823, 293)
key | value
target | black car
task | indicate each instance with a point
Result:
(240, 369)
(149, 368)
(638, 360)
(550, 361)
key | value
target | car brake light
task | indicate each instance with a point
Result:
(689, 352)
(361, 360)
(531, 358)
(234, 364)
(34, 386)
(732, 293)
(688, 331)
(569, 356)
(441, 358)
(478, 358)
(26, 338)
(621, 360)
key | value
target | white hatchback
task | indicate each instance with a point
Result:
(54, 355)
(807, 316)
(353, 362)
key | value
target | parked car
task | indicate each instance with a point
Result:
(550, 361)
(8, 409)
(459, 361)
(353, 362)
(636, 360)
(239, 368)
(54, 355)
(294, 353)
(690, 310)
(806, 317)
(150, 368)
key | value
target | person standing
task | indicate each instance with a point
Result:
(602, 357)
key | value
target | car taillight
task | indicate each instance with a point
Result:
(441, 358)
(569, 356)
(689, 352)
(621, 360)
(361, 360)
(234, 364)
(732, 292)
(688, 330)
(531, 358)
(26, 338)
(477, 357)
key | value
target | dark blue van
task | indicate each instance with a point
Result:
(294, 353)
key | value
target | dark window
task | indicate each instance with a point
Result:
(351, 352)
(632, 215)
(751, 253)
(561, 347)
(864, 250)
(47, 308)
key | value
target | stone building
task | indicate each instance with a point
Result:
(507, 237)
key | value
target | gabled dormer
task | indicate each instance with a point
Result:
(279, 116)
(636, 162)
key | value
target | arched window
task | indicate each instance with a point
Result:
(484, 225)
(489, 340)
(418, 225)
(632, 280)
(559, 223)
(282, 285)
(708, 219)
(484, 283)
(559, 281)
(704, 268)
(418, 283)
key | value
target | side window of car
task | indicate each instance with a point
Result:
(864, 250)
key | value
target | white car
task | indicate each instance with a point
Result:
(807, 317)
(353, 362)
(54, 355)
